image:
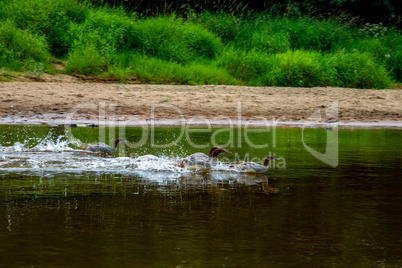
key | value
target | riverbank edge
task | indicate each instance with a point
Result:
(227, 123)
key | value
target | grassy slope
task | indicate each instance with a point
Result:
(259, 50)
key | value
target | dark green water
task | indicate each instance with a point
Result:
(60, 207)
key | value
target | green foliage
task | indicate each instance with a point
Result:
(385, 49)
(374, 30)
(226, 26)
(96, 41)
(306, 69)
(359, 70)
(259, 33)
(48, 18)
(105, 27)
(393, 57)
(299, 69)
(245, 65)
(20, 49)
(312, 34)
(276, 34)
(206, 48)
(373, 11)
(172, 39)
(155, 70)
(270, 43)
(87, 59)
(393, 62)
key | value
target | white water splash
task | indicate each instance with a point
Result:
(53, 153)
(58, 145)
(154, 163)
(17, 147)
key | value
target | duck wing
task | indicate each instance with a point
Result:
(100, 147)
(101, 144)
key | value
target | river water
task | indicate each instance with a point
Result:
(317, 206)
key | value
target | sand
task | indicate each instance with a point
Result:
(70, 100)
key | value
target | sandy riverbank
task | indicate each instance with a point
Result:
(54, 102)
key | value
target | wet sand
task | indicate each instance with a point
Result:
(75, 102)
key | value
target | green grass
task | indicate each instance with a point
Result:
(204, 48)
(20, 49)
(156, 70)
(172, 39)
(48, 18)
(300, 69)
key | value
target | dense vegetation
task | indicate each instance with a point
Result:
(372, 11)
(259, 49)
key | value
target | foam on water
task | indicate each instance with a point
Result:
(54, 154)
(60, 144)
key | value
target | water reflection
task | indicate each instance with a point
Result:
(60, 207)
(45, 184)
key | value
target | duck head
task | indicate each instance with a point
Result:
(218, 150)
(117, 141)
(269, 158)
(213, 148)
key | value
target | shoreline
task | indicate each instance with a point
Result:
(233, 123)
(66, 103)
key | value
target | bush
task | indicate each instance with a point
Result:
(393, 61)
(226, 26)
(20, 50)
(155, 70)
(312, 34)
(359, 70)
(385, 47)
(298, 69)
(105, 28)
(393, 57)
(87, 59)
(171, 39)
(48, 18)
(252, 49)
(305, 69)
(246, 65)
(270, 43)
(95, 42)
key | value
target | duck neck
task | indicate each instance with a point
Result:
(215, 154)
(266, 162)
(211, 151)
(115, 143)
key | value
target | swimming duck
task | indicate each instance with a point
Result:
(201, 160)
(101, 147)
(251, 167)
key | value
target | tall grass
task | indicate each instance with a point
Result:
(95, 42)
(359, 70)
(48, 18)
(20, 49)
(300, 69)
(155, 70)
(306, 69)
(276, 34)
(205, 48)
(172, 39)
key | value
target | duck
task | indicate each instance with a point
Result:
(201, 160)
(251, 167)
(103, 148)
